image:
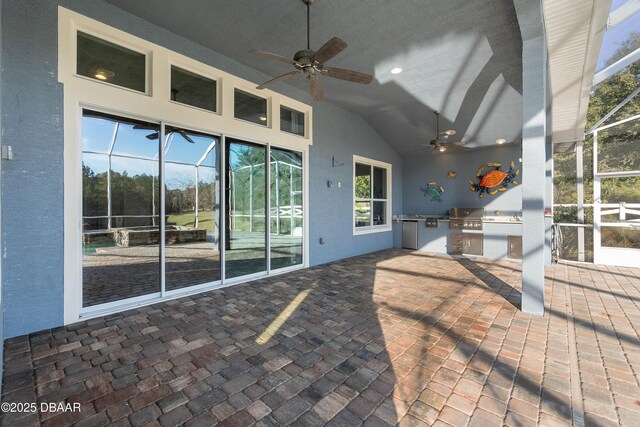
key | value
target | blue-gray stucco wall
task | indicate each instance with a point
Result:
(423, 168)
(32, 184)
(1, 142)
(32, 214)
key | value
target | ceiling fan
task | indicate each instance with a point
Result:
(311, 64)
(441, 145)
(155, 133)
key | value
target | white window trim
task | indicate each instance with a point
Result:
(372, 228)
(155, 106)
(201, 71)
(306, 121)
(255, 92)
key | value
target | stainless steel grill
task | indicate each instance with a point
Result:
(466, 218)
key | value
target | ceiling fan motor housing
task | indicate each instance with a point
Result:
(304, 56)
(305, 62)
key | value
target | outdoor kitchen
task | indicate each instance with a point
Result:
(463, 231)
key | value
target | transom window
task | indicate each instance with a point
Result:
(372, 194)
(250, 107)
(192, 89)
(108, 62)
(291, 121)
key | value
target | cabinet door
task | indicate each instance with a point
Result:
(515, 247)
(473, 244)
(456, 243)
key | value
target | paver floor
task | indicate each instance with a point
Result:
(393, 337)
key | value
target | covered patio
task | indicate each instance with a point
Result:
(395, 336)
(195, 234)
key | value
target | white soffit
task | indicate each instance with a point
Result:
(574, 30)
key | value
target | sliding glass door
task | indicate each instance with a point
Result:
(246, 225)
(120, 209)
(286, 210)
(123, 231)
(192, 208)
(152, 209)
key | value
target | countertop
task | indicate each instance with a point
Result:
(445, 218)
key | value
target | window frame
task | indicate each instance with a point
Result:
(268, 124)
(154, 105)
(201, 72)
(371, 228)
(115, 40)
(304, 114)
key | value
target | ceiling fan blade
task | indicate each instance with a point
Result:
(329, 50)
(273, 56)
(349, 75)
(185, 136)
(458, 143)
(279, 79)
(153, 136)
(315, 88)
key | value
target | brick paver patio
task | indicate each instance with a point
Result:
(386, 338)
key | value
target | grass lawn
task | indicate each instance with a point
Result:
(188, 220)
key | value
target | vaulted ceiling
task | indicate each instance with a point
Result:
(458, 56)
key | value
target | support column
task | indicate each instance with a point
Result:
(580, 196)
(548, 192)
(534, 156)
(1, 197)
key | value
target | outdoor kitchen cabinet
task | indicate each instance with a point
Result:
(514, 247)
(410, 234)
(466, 243)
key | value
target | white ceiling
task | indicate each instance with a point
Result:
(574, 34)
(461, 57)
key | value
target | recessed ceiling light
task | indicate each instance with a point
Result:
(396, 70)
(500, 141)
(262, 118)
(104, 74)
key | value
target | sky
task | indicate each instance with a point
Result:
(615, 36)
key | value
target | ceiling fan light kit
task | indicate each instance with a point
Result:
(441, 145)
(310, 63)
(104, 74)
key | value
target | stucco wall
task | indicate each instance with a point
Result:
(32, 227)
(423, 168)
(32, 187)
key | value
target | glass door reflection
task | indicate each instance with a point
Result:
(192, 203)
(120, 209)
(246, 209)
(286, 213)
